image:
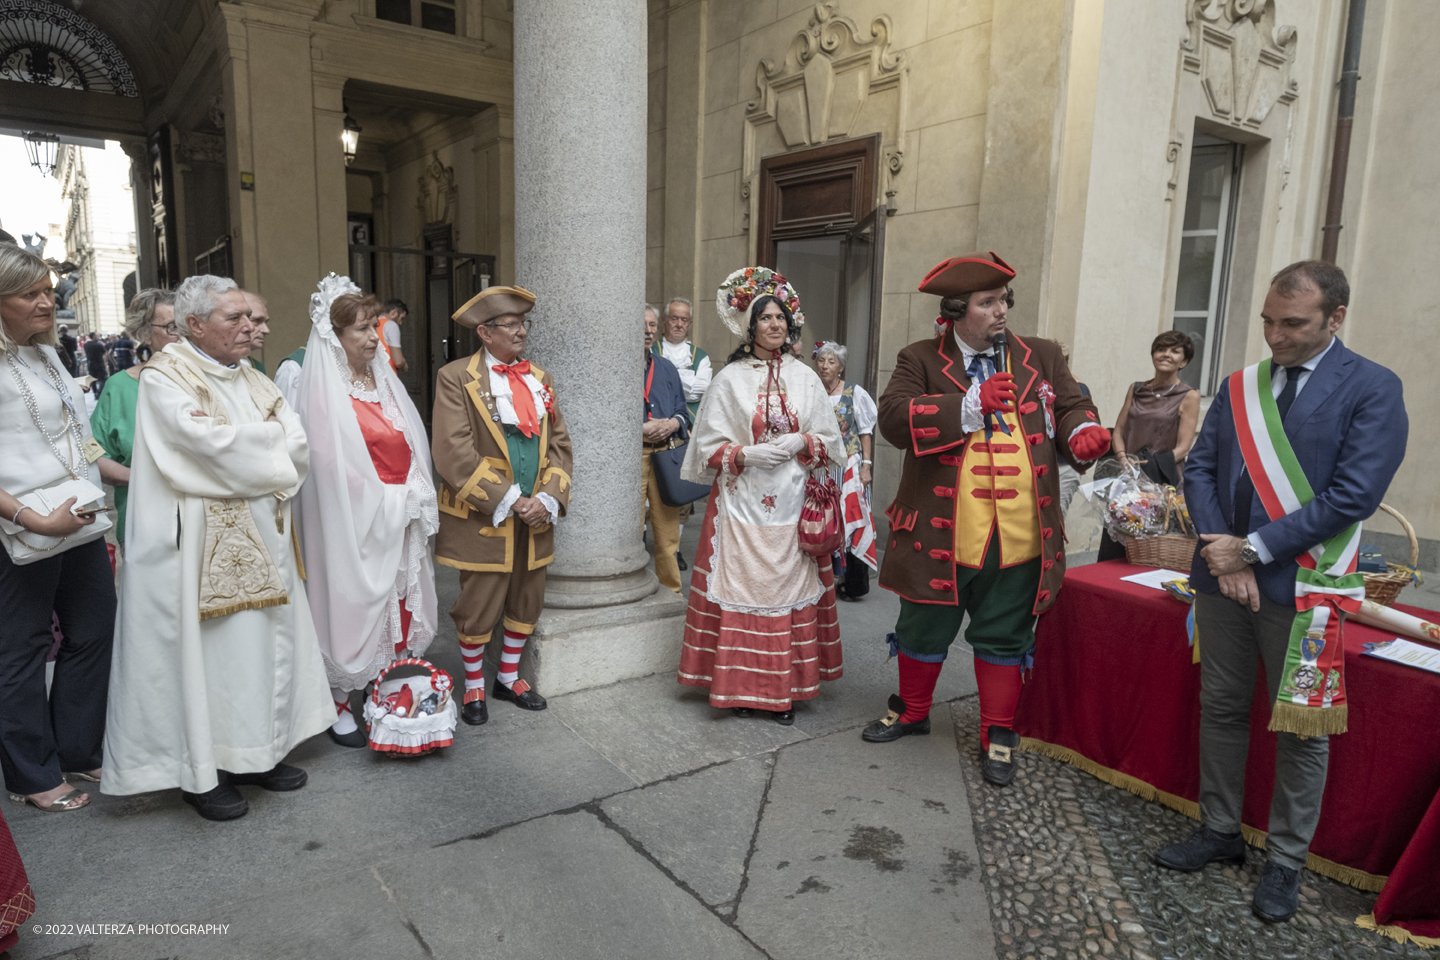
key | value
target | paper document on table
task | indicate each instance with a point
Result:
(1409, 653)
(1155, 579)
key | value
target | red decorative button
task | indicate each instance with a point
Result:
(1028, 407)
(917, 546)
(1036, 439)
(941, 555)
(1046, 533)
(1041, 470)
(926, 433)
(945, 585)
(1046, 501)
(951, 461)
(925, 409)
(940, 523)
(1043, 596)
(948, 492)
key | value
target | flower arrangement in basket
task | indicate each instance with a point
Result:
(1151, 521)
(413, 715)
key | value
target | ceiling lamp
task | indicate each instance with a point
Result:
(41, 149)
(350, 138)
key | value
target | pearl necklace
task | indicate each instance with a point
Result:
(72, 421)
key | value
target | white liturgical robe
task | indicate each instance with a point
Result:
(238, 691)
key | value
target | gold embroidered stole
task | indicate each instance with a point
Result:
(236, 570)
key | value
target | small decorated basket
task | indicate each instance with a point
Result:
(1384, 588)
(413, 714)
(1172, 550)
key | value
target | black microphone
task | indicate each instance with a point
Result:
(999, 345)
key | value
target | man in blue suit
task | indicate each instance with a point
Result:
(1344, 417)
(667, 421)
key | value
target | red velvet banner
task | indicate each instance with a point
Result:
(1114, 682)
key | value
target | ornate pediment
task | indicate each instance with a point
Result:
(817, 92)
(1242, 57)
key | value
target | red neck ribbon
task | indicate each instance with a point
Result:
(520, 396)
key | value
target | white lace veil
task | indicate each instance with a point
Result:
(365, 543)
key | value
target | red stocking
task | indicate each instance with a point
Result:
(999, 695)
(917, 687)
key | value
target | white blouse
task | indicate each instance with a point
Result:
(28, 461)
(866, 413)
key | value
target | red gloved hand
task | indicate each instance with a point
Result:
(1090, 443)
(997, 394)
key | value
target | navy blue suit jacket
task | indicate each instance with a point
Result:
(667, 396)
(1348, 428)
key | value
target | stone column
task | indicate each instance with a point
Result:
(580, 115)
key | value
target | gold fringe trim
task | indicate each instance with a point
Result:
(1308, 721)
(1350, 876)
(299, 560)
(218, 612)
(1398, 934)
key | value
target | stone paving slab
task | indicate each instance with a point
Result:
(865, 851)
(699, 825)
(355, 809)
(564, 886)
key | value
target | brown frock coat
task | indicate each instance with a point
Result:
(920, 413)
(473, 462)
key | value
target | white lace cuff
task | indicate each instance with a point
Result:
(551, 507)
(971, 419)
(502, 511)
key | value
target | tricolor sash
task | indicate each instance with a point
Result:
(1311, 698)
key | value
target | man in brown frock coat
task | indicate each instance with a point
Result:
(500, 447)
(976, 527)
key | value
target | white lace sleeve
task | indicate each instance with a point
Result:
(971, 419)
(502, 511)
(552, 507)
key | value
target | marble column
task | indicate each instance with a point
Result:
(580, 150)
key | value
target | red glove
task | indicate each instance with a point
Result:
(1090, 443)
(997, 394)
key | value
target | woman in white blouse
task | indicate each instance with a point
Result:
(54, 562)
(857, 414)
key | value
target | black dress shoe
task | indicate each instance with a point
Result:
(1277, 896)
(280, 778)
(997, 765)
(520, 694)
(889, 727)
(743, 712)
(784, 717)
(1202, 847)
(475, 712)
(355, 738)
(222, 803)
(680, 559)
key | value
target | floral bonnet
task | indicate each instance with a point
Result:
(737, 295)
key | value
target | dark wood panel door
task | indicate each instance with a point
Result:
(805, 193)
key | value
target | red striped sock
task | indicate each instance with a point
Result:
(510, 657)
(999, 696)
(474, 657)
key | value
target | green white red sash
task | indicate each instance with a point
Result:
(1311, 699)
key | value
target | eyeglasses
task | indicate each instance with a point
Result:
(170, 330)
(510, 327)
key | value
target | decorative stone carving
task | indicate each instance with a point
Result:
(815, 94)
(1172, 156)
(49, 44)
(438, 192)
(836, 81)
(201, 148)
(1242, 57)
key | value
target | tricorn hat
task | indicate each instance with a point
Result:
(494, 302)
(958, 276)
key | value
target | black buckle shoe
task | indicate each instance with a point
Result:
(889, 727)
(680, 560)
(474, 711)
(1277, 895)
(997, 765)
(743, 712)
(1202, 847)
(520, 694)
(784, 717)
(279, 778)
(224, 802)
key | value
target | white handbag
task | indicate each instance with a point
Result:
(26, 547)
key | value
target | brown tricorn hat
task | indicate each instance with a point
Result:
(966, 274)
(494, 302)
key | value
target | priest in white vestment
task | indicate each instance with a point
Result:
(217, 672)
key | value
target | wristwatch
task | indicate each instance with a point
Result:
(1248, 553)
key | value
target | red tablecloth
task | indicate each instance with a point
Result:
(1115, 691)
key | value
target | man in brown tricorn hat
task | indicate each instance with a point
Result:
(503, 454)
(976, 526)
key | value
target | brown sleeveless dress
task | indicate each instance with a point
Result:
(1154, 419)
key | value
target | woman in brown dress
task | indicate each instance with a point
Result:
(1157, 423)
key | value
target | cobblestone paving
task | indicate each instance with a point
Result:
(1068, 872)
